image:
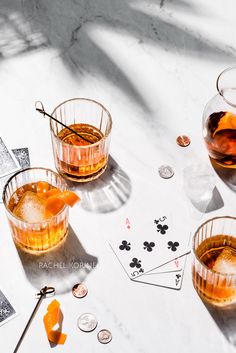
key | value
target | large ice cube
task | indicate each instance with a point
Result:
(226, 261)
(199, 183)
(31, 208)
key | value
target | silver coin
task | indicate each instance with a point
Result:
(79, 290)
(104, 336)
(87, 322)
(166, 171)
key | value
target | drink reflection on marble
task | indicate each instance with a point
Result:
(214, 260)
(36, 225)
(81, 156)
(219, 121)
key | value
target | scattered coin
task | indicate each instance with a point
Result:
(87, 322)
(166, 171)
(183, 140)
(79, 290)
(104, 336)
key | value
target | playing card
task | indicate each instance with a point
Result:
(22, 156)
(149, 243)
(172, 266)
(150, 234)
(7, 311)
(171, 280)
(8, 162)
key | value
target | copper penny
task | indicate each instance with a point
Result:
(183, 140)
(79, 290)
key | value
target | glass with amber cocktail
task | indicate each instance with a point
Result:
(36, 203)
(81, 152)
(214, 260)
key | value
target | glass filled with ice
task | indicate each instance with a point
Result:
(36, 202)
(214, 260)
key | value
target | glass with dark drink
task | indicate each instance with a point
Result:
(219, 121)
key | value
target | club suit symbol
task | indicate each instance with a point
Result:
(148, 246)
(173, 246)
(135, 263)
(162, 228)
(125, 245)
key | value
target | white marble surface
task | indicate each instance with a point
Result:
(153, 64)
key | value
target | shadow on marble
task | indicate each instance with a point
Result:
(75, 36)
(227, 175)
(75, 39)
(178, 5)
(225, 318)
(17, 36)
(61, 268)
(107, 193)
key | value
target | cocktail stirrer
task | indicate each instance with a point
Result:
(42, 294)
(42, 111)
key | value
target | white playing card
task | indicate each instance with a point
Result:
(150, 235)
(149, 243)
(22, 156)
(7, 311)
(171, 280)
(8, 162)
(175, 265)
(172, 266)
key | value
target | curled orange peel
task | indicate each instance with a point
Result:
(42, 187)
(56, 202)
(228, 121)
(52, 192)
(53, 317)
(68, 197)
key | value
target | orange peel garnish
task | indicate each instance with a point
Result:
(42, 187)
(53, 206)
(51, 318)
(68, 197)
(55, 203)
(228, 121)
(49, 193)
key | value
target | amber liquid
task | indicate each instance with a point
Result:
(221, 138)
(40, 236)
(215, 288)
(86, 162)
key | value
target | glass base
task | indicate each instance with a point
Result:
(40, 252)
(220, 302)
(216, 163)
(82, 178)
